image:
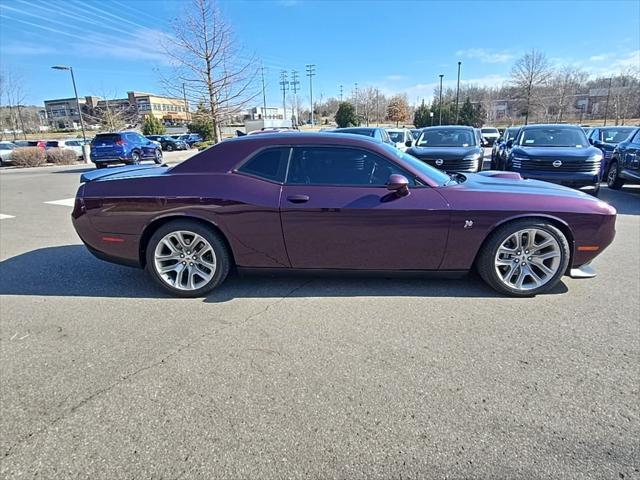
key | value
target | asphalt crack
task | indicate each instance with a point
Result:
(129, 376)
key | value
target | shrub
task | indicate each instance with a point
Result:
(28, 157)
(152, 126)
(61, 156)
(203, 145)
(346, 116)
(202, 126)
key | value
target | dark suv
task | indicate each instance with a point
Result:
(123, 147)
(606, 139)
(500, 152)
(624, 166)
(169, 143)
(451, 148)
(558, 154)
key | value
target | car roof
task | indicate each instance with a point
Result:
(550, 125)
(461, 127)
(346, 129)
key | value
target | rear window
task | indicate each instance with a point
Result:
(489, 130)
(107, 137)
(269, 164)
(52, 144)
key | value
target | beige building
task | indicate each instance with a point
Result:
(63, 113)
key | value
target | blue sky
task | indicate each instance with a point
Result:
(393, 45)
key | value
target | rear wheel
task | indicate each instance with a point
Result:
(169, 147)
(613, 180)
(135, 158)
(187, 258)
(524, 258)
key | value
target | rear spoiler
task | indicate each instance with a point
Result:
(104, 173)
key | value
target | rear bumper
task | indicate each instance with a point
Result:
(577, 180)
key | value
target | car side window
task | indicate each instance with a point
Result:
(636, 138)
(270, 164)
(341, 166)
(595, 135)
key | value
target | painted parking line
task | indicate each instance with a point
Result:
(65, 202)
(4, 217)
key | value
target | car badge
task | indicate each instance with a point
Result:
(557, 163)
(439, 162)
(468, 224)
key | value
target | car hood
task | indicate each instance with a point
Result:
(555, 152)
(511, 182)
(443, 152)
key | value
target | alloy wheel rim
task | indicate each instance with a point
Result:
(528, 259)
(185, 260)
(613, 173)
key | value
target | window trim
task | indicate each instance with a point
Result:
(417, 180)
(254, 154)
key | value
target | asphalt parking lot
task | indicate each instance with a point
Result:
(105, 376)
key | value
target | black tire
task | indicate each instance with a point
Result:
(158, 157)
(169, 147)
(135, 158)
(101, 165)
(613, 179)
(486, 266)
(222, 256)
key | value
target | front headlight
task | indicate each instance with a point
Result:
(518, 158)
(596, 157)
(472, 156)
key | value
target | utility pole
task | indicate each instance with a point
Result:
(264, 96)
(356, 98)
(340, 93)
(458, 92)
(186, 105)
(311, 71)
(440, 102)
(294, 86)
(284, 86)
(606, 106)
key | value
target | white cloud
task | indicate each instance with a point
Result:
(395, 78)
(486, 55)
(598, 58)
(631, 60)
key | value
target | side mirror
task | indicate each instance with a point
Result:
(591, 141)
(509, 143)
(399, 184)
(408, 143)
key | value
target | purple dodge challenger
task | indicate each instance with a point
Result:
(311, 202)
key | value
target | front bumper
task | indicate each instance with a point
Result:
(577, 180)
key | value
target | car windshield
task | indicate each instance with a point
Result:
(511, 133)
(615, 135)
(490, 130)
(397, 136)
(446, 137)
(438, 176)
(553, 137)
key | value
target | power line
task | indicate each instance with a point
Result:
(311, 71)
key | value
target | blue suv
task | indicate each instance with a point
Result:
(123, 147)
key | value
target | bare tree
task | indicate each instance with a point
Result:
(14, 95)
(207, 63)
(398, 109)
(528, 74)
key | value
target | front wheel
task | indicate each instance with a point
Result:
(187, 258)
(135, 158)
(524, 258)
(158, 157)
(613, 180)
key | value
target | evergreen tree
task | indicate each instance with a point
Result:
(346, 115)
(421, 116)
(152, 126)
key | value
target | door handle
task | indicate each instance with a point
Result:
(298, 198)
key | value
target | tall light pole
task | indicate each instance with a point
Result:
(440, 101)
(284, 86)
(356, 98)
(75, 90)
(606, 106)
(458, 92)
(340, 93)
(311, 71)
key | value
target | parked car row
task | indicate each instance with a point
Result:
(7, 147)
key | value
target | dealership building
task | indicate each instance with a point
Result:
(63, 112)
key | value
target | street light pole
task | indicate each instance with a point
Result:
(85, 148)
(440, 102)
(458, 92)
(311, 71)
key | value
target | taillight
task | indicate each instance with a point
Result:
(120, 142)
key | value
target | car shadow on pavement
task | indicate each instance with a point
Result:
(72, 271)
(626, 200)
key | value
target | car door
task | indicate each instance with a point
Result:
(147, 146)
(337, 213)
(631, 158)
